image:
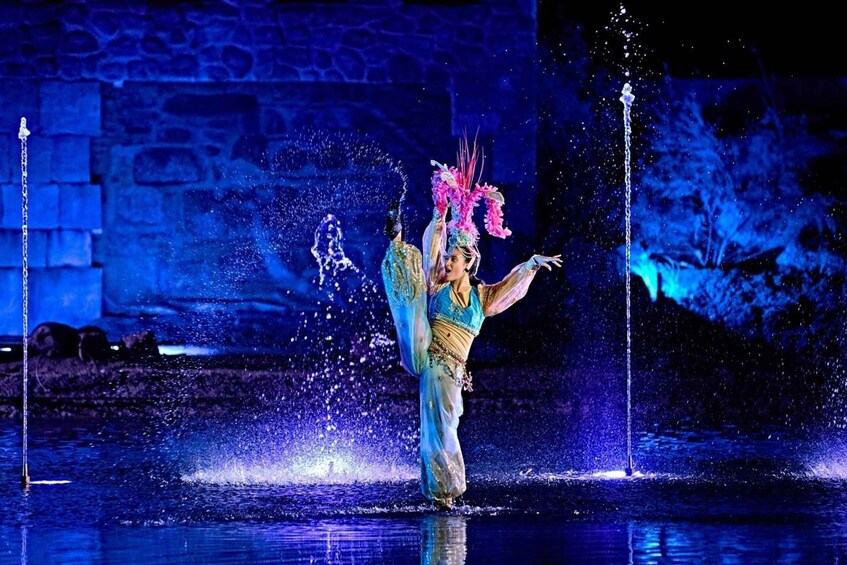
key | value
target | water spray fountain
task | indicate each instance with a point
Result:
(22, 135)
(627, 98)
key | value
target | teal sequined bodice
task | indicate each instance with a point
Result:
(442, 307)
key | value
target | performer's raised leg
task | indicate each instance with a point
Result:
(405, 286)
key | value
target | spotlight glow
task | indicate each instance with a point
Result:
(323, 469)
(190, 350)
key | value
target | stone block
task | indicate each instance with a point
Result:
(19, 100)
(350, 63)
(106, 23)
(131, 279)
(174, 135)
(271, 35)
(180, 66)
(112, 71)
(404, 68)
(237, 60)
(264, 63)
(68, 248)
(10, 248)
(10, 206)
(80, 207)
(43, 205)
(71, 160)
(70, 108)
(10, 159)
(36, 248)
(136, 207)
(39, 159)
(11, 252)
(217, 73)
(376, 74)
(70, 67)
(166, 165)
(154, 45)
(11, 303)
(46, 67)
(210, 105)
(295, 57)
(79, 42)
(284, 72)
(72, 296)
(358, 38)
(123, 46)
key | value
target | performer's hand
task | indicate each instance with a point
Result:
(441, 203)
(544, 261)
(439, 194)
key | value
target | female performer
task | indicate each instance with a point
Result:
(438, 306)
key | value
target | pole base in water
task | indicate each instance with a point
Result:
(25, 477)
(630, 468)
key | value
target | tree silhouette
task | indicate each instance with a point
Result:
(724, 200)
(725, 227)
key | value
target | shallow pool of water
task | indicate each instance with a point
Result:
(142, 492)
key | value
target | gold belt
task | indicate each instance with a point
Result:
(442, 352)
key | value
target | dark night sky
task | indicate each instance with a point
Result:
(718, 39)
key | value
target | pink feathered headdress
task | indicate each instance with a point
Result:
(459, 188)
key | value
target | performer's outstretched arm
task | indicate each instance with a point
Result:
(498, 296)
(434, 250)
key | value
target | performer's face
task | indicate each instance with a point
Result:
(456, 265)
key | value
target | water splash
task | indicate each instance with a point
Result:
(328, 249)
(336, 408)
(592, 476)
(189, 350)
(23, 133)
(627, 98)
(830, 463)
(607, 475)
(341, 467)
(353, 348)
(335, 424)
(828, 470)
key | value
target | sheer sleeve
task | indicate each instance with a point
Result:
(434, 250)
(498, 296)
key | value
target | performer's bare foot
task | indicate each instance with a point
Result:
(445, 504)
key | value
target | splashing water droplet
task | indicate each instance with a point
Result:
(328, 249)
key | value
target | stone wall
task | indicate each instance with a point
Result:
(212, 192)
(187, 91)
(64, 207)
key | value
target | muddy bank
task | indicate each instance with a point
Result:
(218, 385)
(667, 389)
